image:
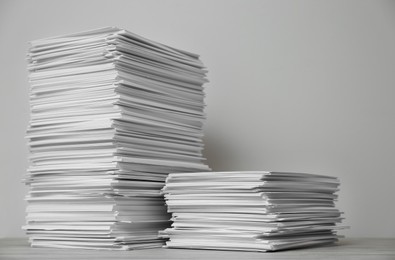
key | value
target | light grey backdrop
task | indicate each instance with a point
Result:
(294, 86)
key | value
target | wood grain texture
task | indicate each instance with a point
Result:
(350, 248)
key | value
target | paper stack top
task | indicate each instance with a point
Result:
(251, 211)
(111, 114)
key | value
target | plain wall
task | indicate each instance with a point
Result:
(304, 86)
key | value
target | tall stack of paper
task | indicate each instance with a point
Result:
(252, 211)
(111, 114)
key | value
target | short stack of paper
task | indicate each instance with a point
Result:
(112, 114)
(251, 211)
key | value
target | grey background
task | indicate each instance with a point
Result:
(294, 86)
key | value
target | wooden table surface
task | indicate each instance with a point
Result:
(349, 248)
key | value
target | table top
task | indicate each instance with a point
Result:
(348, 248)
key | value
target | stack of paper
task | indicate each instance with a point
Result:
(252, 211)
(111, 114)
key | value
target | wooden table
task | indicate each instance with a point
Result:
(349, 248)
